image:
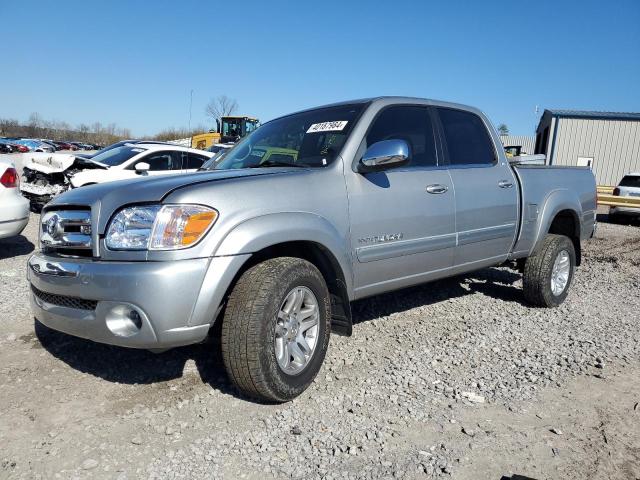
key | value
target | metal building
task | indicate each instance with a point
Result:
(608, 142)
(526, 143)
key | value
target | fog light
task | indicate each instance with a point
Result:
(124, 320)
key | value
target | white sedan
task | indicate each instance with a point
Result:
(131, 160)
(14, 208)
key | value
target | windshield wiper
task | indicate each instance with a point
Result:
(273, 163)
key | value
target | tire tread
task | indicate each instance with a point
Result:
(240, 337)
(537, 271)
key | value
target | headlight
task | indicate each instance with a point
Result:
(159, 227)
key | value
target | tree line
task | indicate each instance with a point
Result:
(38, 127)
(96, 133)
(99, 134)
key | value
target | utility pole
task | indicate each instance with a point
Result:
(190, 106)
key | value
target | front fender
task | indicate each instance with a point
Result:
(554, 203)
(257, 233)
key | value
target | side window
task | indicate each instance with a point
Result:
(162, 161)
(466, 138)
(192, 161)
(410, 123)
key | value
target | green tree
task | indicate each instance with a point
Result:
(503, 129)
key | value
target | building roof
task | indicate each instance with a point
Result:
(594, 115)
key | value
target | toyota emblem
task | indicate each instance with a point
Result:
(51, 226)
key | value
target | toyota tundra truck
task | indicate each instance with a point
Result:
(356, 199)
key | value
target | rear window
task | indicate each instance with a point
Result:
(630, 181)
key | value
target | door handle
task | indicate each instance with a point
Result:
(505, 184)
(437, 188)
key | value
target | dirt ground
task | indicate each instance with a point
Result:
(391, 402)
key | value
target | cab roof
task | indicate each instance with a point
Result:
(390, 99)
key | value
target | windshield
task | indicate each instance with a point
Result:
(306, 139)
(118, 155)
(232, 127)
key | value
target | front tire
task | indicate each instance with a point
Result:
(276, 328)
(548, 274)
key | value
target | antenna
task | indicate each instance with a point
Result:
(190, 105)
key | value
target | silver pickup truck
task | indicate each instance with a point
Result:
(310, 212)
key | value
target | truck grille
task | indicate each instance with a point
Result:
(64, 301)
(66, 232)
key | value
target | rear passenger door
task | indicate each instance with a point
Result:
(192, 161)
(486, 194)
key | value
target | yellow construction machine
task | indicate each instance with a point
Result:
(229, 129)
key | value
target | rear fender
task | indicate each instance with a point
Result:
(556, 201)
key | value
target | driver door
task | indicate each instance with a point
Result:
(160, 163)
(402, 219)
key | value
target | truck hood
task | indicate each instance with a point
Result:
(105, 198)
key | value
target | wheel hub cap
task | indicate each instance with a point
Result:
(296, 333)
(560, 273)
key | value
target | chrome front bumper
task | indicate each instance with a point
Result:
(175, 302)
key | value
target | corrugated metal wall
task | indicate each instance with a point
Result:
(614, 146)
(528, 144)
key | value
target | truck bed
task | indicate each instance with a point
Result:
(547, 190)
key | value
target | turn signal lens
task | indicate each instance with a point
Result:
(180, 226)
(196, 226)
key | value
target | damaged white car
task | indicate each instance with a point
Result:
(45, 176)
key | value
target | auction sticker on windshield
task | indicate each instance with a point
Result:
(328, 126)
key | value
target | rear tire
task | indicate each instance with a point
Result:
(252, 326)
(548, 274)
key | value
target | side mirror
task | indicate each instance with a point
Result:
(383, 155)
(142, 168)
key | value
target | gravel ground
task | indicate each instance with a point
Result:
(453, 379)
